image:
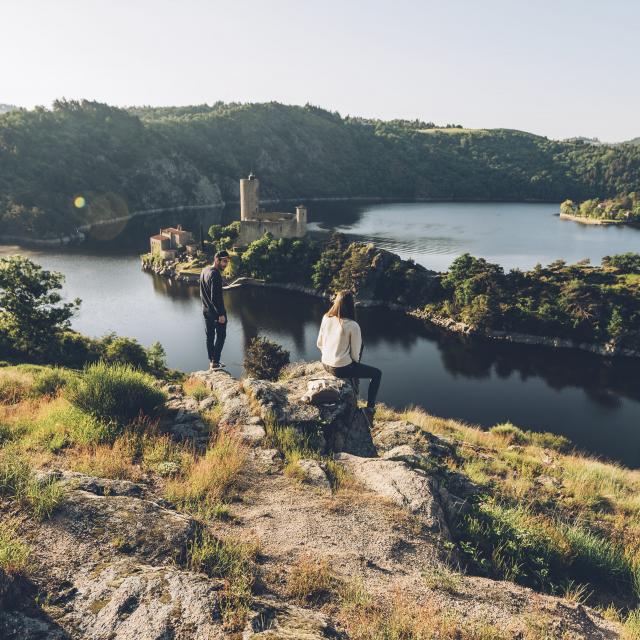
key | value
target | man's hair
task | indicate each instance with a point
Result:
(222, 254)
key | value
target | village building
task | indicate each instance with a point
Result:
(171, 241)
(255, 222)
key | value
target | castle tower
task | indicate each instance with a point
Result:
(249, 197)
(301, 215)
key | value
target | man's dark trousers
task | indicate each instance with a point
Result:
(216, 335)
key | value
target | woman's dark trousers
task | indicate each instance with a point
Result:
(359, 370)
(216, 334)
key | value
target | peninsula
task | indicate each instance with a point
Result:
(621, 210)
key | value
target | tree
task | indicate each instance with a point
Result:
(120, 350)
(157, 357)
(32, 314)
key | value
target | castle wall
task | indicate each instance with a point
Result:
(251, 230)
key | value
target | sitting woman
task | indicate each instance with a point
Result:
(340, 341)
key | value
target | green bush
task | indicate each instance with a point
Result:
(49, 381)
(115, 392)
(120, 350)
(510, 432)
(265, 359)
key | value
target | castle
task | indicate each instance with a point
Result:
(171, 241)
(255, 222)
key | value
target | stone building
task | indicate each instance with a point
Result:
(255, 222)
(170, 241)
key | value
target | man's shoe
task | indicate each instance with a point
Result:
(214, 366)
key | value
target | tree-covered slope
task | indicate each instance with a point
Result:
(158, 157)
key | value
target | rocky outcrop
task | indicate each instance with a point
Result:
(407, 487)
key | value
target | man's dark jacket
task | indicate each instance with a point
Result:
(211, 292)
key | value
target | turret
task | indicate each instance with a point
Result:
(301, 215)
(249, 197)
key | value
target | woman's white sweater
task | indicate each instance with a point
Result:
(340, 341)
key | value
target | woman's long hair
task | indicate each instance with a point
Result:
(343, 306)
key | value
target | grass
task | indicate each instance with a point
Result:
(310, 581)
(543, 515)
(196, 389)
(18, 484)
(232, 560)
(210, 479)
(403, 619)
(115, 393)
(14, 554)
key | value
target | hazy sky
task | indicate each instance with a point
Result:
(558, 68)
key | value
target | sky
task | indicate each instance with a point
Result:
(558, 68)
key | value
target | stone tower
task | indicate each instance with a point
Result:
(301, 215)
(249, 197)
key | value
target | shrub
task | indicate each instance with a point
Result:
(49, 381)
(119, 350)
(115, 392)
(510, 432)
(265, 359)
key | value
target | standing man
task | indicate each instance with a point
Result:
(215, 315)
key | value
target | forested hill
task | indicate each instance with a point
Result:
(127, 160)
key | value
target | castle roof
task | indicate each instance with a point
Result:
(159, 236)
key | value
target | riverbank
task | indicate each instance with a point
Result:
(609, 349)
(586, 220)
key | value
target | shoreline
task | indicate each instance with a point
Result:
(64, 240)
(596, 221)
(607, 350)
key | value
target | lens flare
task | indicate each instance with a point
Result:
(79, 202)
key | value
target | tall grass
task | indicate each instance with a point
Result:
(115, 392)
(235, 562)
(211, 478)
(17, 483)
(14, 554)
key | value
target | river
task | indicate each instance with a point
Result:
(593, 401)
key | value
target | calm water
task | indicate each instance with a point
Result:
(594, 402)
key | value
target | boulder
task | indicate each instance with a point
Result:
(280, 621)
(314, 474)
(410, 488)
(131, 601)
(137, 527)
(236, 408)
(338, 426)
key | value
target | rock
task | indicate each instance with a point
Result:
(255, 420)
(252, 434)
(130, 601)
(268, 459)
(16, 625)
(207, 403)
(314, 474)
(100, 486)
(339, 426)
(138, 527)
(288, 622)
(236, 408)
(392, 434)
(407, 487)
(404, 453)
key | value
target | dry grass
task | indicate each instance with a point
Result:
(196, 389)
(403, 619)
(211, 478)
(310, 580)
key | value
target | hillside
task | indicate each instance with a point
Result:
(129, 160)
(235, 509)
